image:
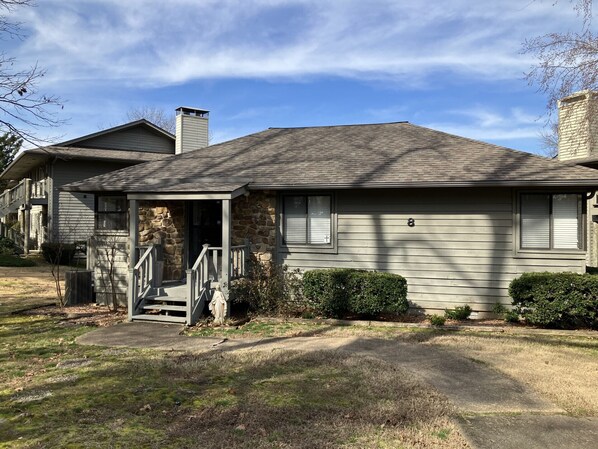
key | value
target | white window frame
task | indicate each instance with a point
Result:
(581, 217)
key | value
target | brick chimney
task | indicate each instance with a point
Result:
(191, 129)
(578, 126)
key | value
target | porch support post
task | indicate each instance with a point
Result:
(133, 243)
(226, 244)
(27, 216)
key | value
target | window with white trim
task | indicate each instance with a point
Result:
(551, 221)
(307, 220)
(111, 213)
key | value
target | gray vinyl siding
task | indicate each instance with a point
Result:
(72, 214)
(135, 139)
(109, 248)
(193, 131)
(460, 251)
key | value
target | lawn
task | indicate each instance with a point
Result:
(56, 393)
(561, 368)
(26, 287)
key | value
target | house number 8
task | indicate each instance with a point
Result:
(410, 222)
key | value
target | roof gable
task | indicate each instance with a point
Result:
(140, 135)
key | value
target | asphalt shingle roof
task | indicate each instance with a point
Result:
(379, 155)
(30, 158)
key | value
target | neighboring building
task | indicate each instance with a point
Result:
(457, 217)
(578, 144)
(45, 213)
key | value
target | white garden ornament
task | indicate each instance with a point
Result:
(218, 306)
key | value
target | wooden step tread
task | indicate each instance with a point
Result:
(165, 298)
(164, 307)
(161, 318)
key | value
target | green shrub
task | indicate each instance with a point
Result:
(7, 246)
(562, 300)
(510, 316)
(61, 253)
(458, 313)
(371, 293)
(270, 288)
(9, 260)
(437, 320)
(327, 289)
(340, 291)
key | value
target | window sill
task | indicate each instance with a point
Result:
(550, 254)
(111, 232)
(314, 249)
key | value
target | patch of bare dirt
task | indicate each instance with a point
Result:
(83, 315)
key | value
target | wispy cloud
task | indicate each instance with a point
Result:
(483, 123)
(166, 43)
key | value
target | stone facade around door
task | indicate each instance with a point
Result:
(254, 219)
(164, 222)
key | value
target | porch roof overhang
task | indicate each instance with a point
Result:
(175, 188)
(224, 194)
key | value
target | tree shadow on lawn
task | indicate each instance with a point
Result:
(253, 400)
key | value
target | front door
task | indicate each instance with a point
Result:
(205, 226)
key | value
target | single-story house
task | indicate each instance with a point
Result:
(43, 211)
(459, 218)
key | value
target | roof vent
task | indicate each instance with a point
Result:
(191, 129)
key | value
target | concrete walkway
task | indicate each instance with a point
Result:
(485, 398)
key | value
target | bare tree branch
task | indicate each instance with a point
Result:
(23, 109)
(567, 63)
(155, 115)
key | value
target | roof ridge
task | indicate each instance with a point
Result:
(341, 126)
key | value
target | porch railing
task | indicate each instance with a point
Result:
(198, 286)
(12, 199)
(38, 189)
(142, 278)
(238, 262)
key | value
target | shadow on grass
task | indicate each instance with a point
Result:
(254, 400)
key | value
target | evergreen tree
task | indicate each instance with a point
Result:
(9, 147)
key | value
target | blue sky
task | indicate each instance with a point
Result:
(452, 65)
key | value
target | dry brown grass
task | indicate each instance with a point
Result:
(565, 370)
(26, 287)
(310, 400)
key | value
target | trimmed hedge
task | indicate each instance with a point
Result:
(53, 251)
(8, 260)
(340, 291)
(562, 300)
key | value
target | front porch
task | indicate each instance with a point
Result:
(188, 246)
(27, 204)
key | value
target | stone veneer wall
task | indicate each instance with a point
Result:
(164, 222)
(254, 218)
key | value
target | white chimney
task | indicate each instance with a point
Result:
(578, 126)
(191, 129)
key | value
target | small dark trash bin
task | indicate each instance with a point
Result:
(77, 287)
